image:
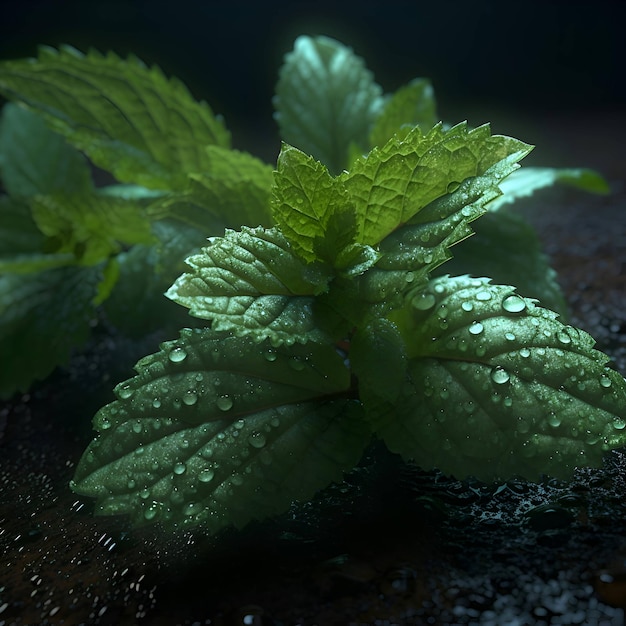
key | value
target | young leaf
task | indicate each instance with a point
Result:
(233, 190)
(305, 197)
(246, 282)
(325, 100)
(412, 105)
(43, 316)
(498, 386)
(526, 181)
(34, 160)
(393, 183)
(249, 426)
(129, 119)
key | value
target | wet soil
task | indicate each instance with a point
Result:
(391, 544)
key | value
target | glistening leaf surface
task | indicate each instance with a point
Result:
(216, 429)
(498, 386)
(252, 283)
(393, 183)
(129, 119)
(325, 100)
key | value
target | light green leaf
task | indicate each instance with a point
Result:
(216, 430)
(43, 316)
(393, 183)
(411, 105)
(129, 119)
(91, 227)
(411, 252)
(325, 100)
(498, 386)
(506, 248)
(246, 282)
(233, 190)
(305, 197)
(530, 179)
(34, 160)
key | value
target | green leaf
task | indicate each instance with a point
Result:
(249, 426)
(233, 190)
(506, 248)
(393, 183)
(43, 316)
(129, 119)
(530, 179)
(411, 252)
(34, 160)
(325, 100)
(246, 282)
(498, 386)
(91, 227)
(411, 105)
(305, 197)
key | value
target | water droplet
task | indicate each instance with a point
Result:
(500, 376)
(509, 336)
(619, 424)
(190, 509)
(424, 301)
(206, 475)
(554, 420)
(190, 398)
(177, 355)
(150, 512)
(224, 403)
(257, 440)
(452, 186)
(508, 402)
(483, 295)
(105, 423)
(513, 303)
(409, 277)
(297, 364)
(476, 328)
(563, 336)
(156, 403)
(180, 468)
(524, 353)
(137, 428)
(125, 392)
(605, 381)
(270, 356)
(144, 494)
(467, 306)
(239, 424)
(131, 484)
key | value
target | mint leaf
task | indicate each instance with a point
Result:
(325, 100)
(233, 190)
(530, 179)
(245, 282)
(34, 160)
(305, 197)
(498, 386)
(129, 119)
(393, 183)
(506, 248)
(249, 426)
(90, 226)
(43, 316)
(411, 105)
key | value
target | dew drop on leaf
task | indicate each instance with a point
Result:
(513, 303)
(554, 420)
(605, 381)
(563, 337)
(137, 426)
(424, 301)
(156, 403)
(190, 398)
(224, 403)
(177, 355)
(483, 296)
(150, 513)
(270, 356)
(126, 392)
(256, 440)
(509, 336)
(476, 328)
(619, 424)
(524, 353)
(467, 306)
(500, 376)
(206, 475)
(180, 468)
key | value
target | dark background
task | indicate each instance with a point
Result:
(505, 62)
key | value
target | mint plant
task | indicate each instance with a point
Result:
(326, 318)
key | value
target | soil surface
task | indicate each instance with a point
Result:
(391, 544)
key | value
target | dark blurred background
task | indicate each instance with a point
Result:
(517, 64)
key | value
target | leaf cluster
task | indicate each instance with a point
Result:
(326, 318)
